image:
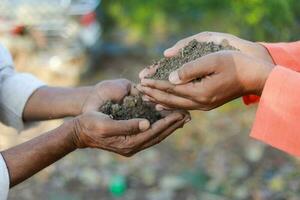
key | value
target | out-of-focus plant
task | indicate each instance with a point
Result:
(154, 21)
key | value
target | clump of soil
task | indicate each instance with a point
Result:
(190, 52)
(131, 107)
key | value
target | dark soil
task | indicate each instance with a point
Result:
(131, 107)
(190, 52)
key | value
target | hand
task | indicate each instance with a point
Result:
(113, 90)
(253, 49)
(249, 48)
(125, 137)
(56, 102)
(209, 81)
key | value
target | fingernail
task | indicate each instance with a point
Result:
(174, 78)
(144, 125)
(159, 107)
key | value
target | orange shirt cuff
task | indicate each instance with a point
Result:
(278, 113)
(285, 54)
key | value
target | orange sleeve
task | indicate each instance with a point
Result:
(278, 113)
(284, 54)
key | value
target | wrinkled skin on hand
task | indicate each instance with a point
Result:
(125, 137)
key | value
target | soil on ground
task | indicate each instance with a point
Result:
(192, 51)
(131, 107)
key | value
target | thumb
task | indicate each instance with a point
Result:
(196, 69)
(127, 127)
(170, 52)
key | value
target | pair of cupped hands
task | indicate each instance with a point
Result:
(221, 77)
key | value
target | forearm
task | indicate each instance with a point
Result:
(28, 158)
(55, 102)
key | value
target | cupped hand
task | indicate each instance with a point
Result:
(253, 49)
(125, 137)
(109, 90)
(209, 81)
(249, 48)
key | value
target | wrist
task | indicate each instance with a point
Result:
(264, 53)
(263, 76)
(71, 134)
(76, 100)
(75, 126)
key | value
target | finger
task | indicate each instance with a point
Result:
(170, 100)
(127, 86)
(156, 128)
(160, 107)
(148, 71)
(147, 98)
(184, 90)
(158, 84)
(185, 113)
(196, 69)
(121, 88)
(165, 133)
(125, 127)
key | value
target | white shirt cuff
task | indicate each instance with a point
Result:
(15, 91)
(4, 179)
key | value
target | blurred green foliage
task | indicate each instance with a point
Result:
(155, 21)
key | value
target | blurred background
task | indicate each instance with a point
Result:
(81, 42)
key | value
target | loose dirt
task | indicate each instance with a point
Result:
(131, 107)
(192, 51)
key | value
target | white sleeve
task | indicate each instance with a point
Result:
(4, 179)
(15, 90)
